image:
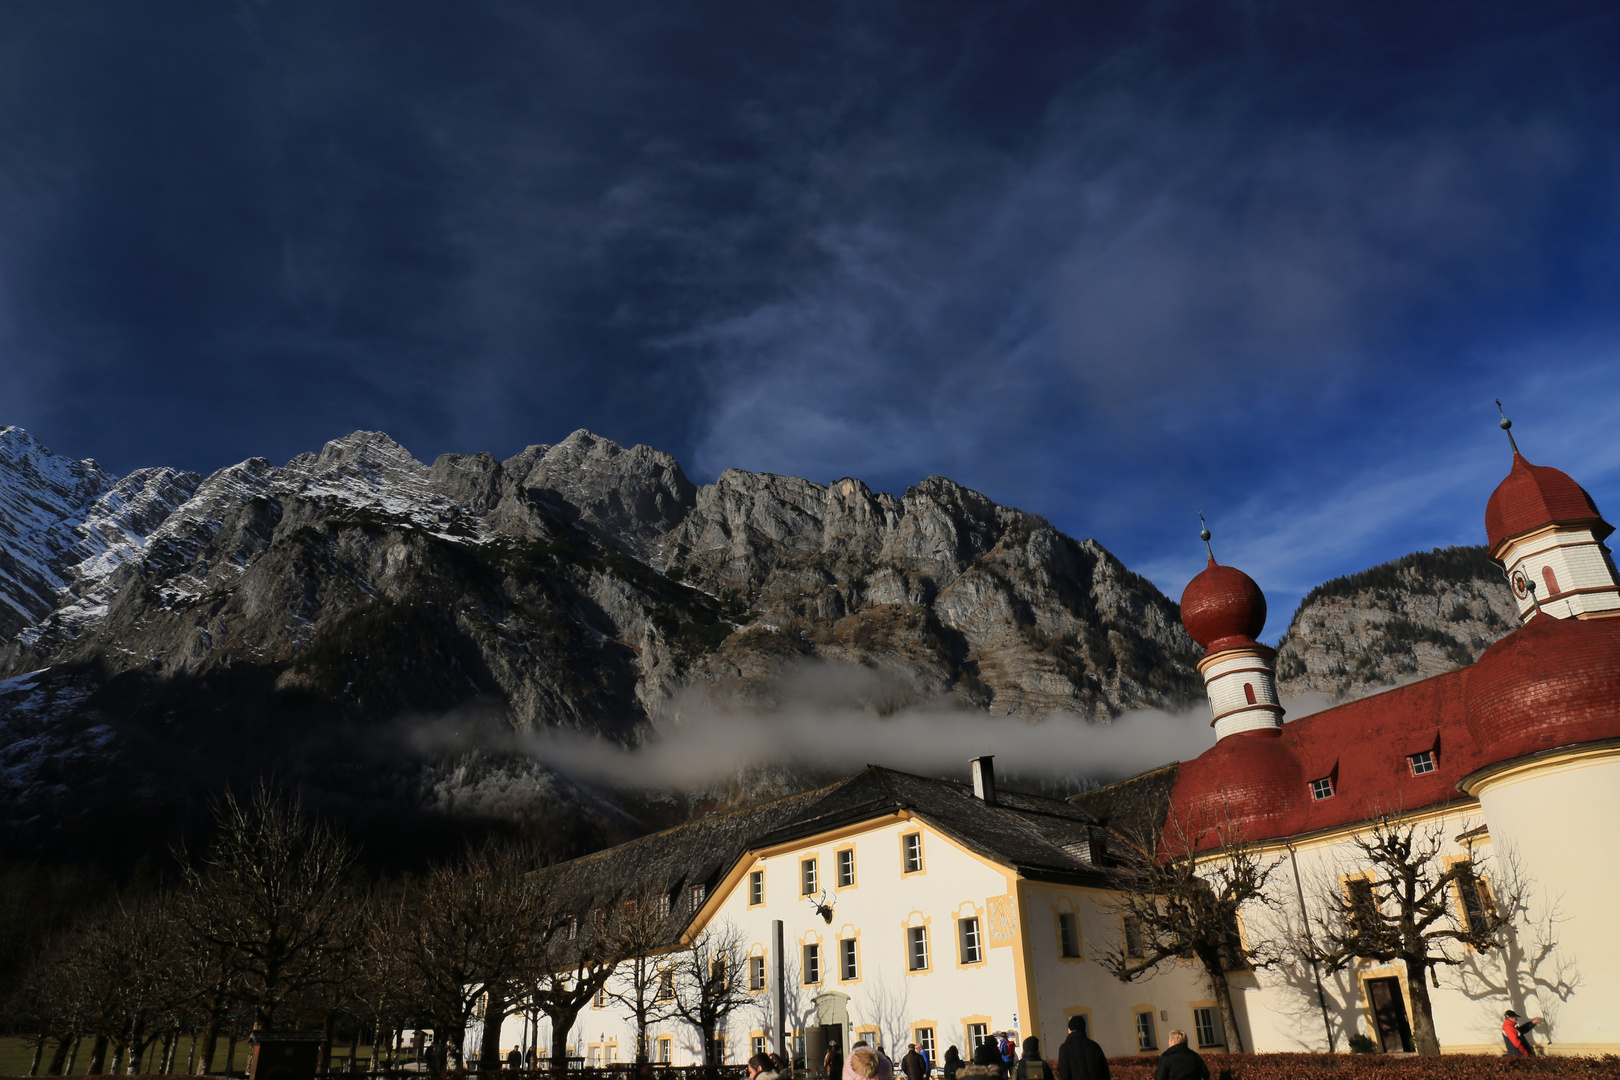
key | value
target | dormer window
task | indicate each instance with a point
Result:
(1322, 789)
(698, 893)
(1422, 763)
(663, 905)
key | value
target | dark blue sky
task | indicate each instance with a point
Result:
(1110, 262)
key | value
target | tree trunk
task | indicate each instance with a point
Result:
(73, 1056)
(1223, 1002)
(1424, 1039)
(230, 1054)
(98, 1056)
(354, 1048)
(166, 1055)
(489, 1047)
(58, 1056)
(191, 1056)
(562, 1022)
(204, 1046)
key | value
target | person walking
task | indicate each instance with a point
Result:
(1516, 1036)
(913, 1064)
(1079, 1058)
(1032, 1066)
(1180, 1061)
(953, 1062)
(833, 1063)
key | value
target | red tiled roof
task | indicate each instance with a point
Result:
(1223, 603)
(1553, 682)
(1535, 495)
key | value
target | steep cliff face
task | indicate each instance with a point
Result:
(1417, 616)
(292, 619)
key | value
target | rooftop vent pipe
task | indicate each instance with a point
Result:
(984, 778)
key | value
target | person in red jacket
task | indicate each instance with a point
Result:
(1516, 1035)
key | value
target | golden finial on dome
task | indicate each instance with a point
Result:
(1203, 534)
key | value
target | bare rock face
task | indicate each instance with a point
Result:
(1421, 615)
(305, 619)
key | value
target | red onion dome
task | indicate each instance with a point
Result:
(1249, 785)
(1553, 682)
(1220, 603)
(1537, 495)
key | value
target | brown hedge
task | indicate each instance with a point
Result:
(1377, 1067)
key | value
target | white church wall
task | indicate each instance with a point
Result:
(1554, 817)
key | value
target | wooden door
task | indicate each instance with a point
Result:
(1389, 1012)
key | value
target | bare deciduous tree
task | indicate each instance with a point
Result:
(469, 930)
(645, 979)
(1175, 902)
(270, 897)
(1402, 901)
(709, 982)
(579, 955)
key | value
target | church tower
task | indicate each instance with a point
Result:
(1548, 536)
(1223, 609)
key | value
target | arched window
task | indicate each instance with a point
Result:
(1248, 692)
(1551, 579)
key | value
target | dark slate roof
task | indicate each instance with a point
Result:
(1134, 807)
(1042, 837)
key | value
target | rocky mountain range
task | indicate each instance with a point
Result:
(1405, 620)
(170, 632)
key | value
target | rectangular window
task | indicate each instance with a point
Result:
(612, 1053)
(595, 1057)
(917, 948)
(698, 893)
(663, 905)
(1362, 907)
(666, 985)
(1476, 904)
(717, 972)
(600, 1000)
(1068, 934)
(757, 1044)
(756, 888)
(807, 877)
(967, 940)
(666, 1050)
(846, 868)
(1146, 1039)
(911, 845)
(812, 964)
(1133, 937)
(924, 1038)
(756, 973)
(1323, 788)
(848, 965)
(1422, 763)
(1207, 1027)
(573, 927)
(976, 1035)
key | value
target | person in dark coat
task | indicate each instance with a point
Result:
(1079, 1058)
(833, 1063)
(953, 1062)
(986, 1063)
(1180, 1061)
(1032, 1066)
(913, 1064)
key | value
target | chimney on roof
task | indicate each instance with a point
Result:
(984, 778)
